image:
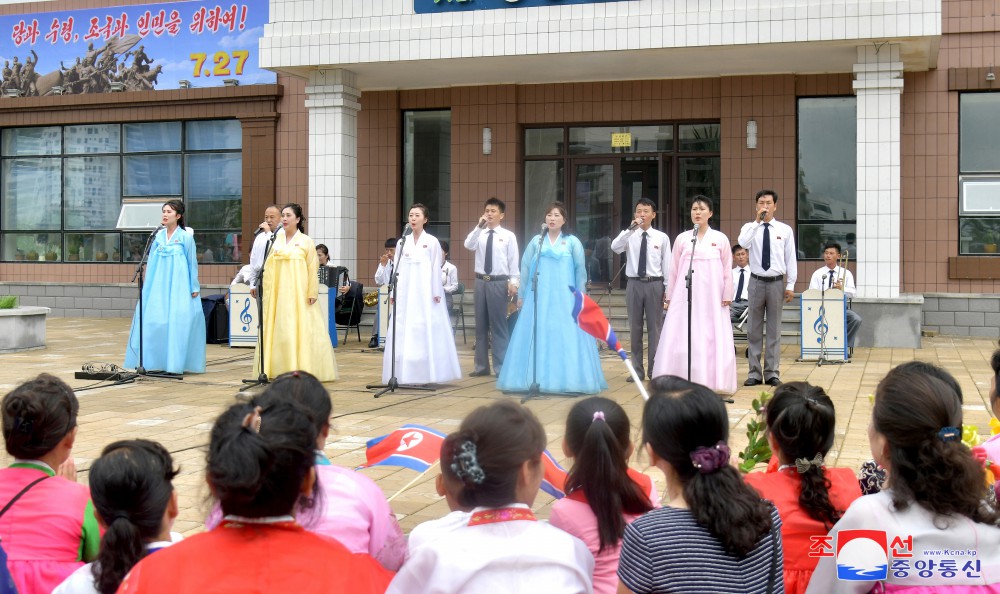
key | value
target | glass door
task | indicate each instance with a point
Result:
(593, 209)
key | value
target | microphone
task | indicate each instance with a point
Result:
(482, 223)
(545, 228)
(258, 232)
(408, 230)
(633, 226)
(157, 230)
(695, 230)
(761, 215)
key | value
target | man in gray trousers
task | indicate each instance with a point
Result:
(647, 268)
(497, 279)
(773, 269)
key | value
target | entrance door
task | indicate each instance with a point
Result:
(592, 212)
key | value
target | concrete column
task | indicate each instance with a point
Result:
(878, 84)
(333, 101)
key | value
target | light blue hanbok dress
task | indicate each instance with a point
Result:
(173, 321)
(568, 362)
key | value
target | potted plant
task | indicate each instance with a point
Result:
(984, 231)
(101, 256)
(32, 255)
(51, 255)
(73, 246)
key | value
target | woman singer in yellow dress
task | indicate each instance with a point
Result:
(295, 334)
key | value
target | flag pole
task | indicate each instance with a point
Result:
(636, 379)
(414, 481)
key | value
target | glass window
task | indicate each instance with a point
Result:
(19, 142)
(32, 194)
(214, 189)
(93, 192)
(153, 175)
(597, 139)
(979, 173)
(427, 166)
(543, 141)
(152, 137)
(544, 182)
(827, 174)
(699, 176)
(700, 138)
(979, 116)
(93, 138)
(65, 207)
(213, 135)
(93, 247)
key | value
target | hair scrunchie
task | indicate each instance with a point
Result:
(465, 464)
(709, 460)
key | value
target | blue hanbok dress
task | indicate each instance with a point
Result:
(173, 321)
(568, 362)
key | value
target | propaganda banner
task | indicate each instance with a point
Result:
(132, 48)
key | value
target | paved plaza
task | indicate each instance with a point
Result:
(179, 414)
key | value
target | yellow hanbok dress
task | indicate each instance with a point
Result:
(295, 334)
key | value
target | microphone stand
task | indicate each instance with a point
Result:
(138, 278)
(262, 379)
(690, 290)
(393, 383)
(534, 390)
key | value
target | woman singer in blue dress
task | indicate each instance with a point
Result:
(567, 356)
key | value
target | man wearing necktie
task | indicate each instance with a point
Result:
(773, 270)
(647, 269)
(497, 279)
(838, 277)
(741, 280)
(383, 276)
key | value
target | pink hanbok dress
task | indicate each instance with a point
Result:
(50, 531)
(713, 361)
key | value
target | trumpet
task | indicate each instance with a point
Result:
(841, 269)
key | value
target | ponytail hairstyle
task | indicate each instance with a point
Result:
(597, 436)
(259, 457)
(485, 455)
(37, 415)
(130, 485)
(801, 419)
(297, 211)
(995, 393)
(920, 416)
(686, 425)
(178, 207)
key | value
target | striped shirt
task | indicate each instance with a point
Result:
(667, 551)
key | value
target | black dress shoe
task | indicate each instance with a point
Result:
(630, 380)
(479, 373)
(773, 382)
(752, 381)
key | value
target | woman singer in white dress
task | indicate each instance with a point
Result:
(425, 353)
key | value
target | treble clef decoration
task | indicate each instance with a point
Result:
(820, 326)
(246, 317)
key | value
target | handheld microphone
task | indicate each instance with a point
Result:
(408, 230)
(482, 223)
(633, 226)
(761, 215)
(258, 232)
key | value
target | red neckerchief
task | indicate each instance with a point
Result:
(644, 482)
(503, 514)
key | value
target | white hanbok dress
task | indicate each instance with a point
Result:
(426, 351)
(517, 556)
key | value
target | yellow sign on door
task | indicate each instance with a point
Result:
(621, 140)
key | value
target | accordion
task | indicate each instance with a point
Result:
(335, 276)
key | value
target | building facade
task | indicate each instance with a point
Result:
(873, 121)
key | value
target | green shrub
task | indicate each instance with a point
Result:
(8, 302)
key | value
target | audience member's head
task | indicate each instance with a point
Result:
(39, 420)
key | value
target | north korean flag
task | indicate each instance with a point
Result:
(411, 446)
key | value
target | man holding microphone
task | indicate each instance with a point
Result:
(497, 279)
(647, 268)
(773, 269)
(249, 274)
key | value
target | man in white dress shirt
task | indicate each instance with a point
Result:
(773, 267)
(272, 220)
(497, 278)
(741, 281)
(383, 276)
(647, 268)
(832, 276)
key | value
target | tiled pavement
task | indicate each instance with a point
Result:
(179, 413)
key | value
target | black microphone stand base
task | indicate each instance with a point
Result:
(394, 385)
(141, 372)
(260, 381)
(534, 392)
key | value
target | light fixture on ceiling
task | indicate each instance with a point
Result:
(751, 134)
